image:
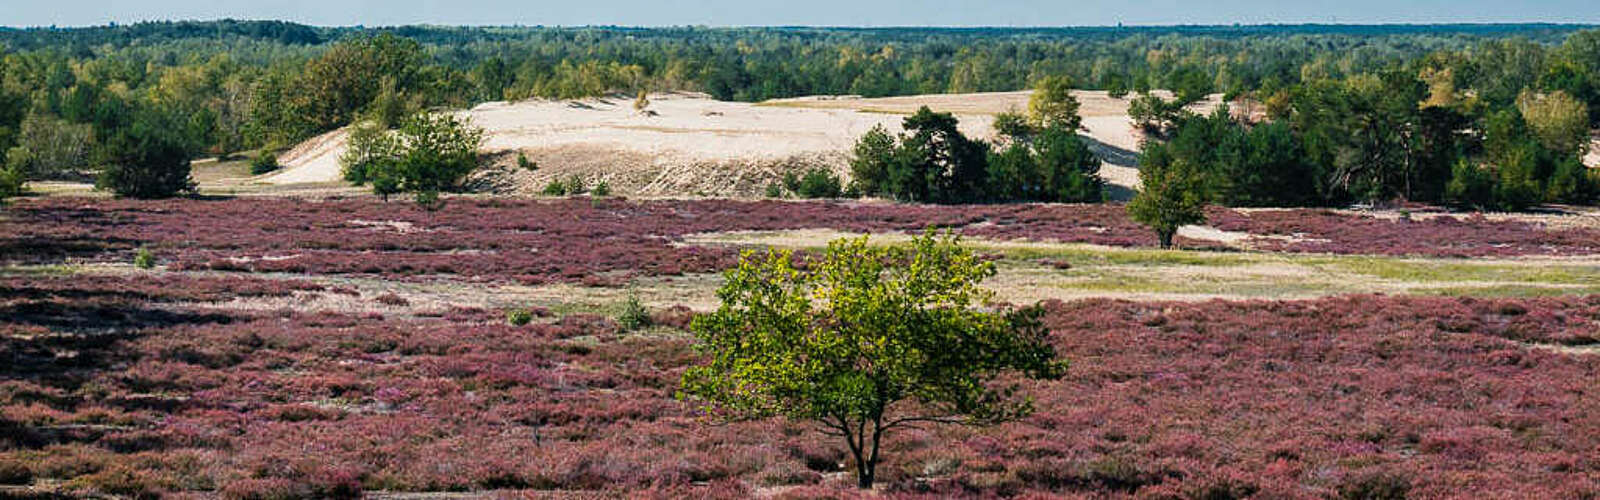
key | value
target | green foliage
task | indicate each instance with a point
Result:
(427, 155)
(1054, 166)
(1471, 185)
(817, 182)
(1013, 126)
(147, 158)
(11, 182)
(574, 185)
(634, 315)
(143, 259)
(51, 148)
(263, 163)
(1156, 116)
(601, 188)
(555, 188)
(1053, 106)
(1239, 165)
(774, 189)
(870, 161)
(933, 162)
(866, 340)
(1573, 183)
(1170, 196)
(525, 164)
(518, 317)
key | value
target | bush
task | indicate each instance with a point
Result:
(427, 155)
(11, 181)
(774, 190)
(143, 259)
(818, 182)
(1376, 486)
(601, 188)
(574, 185)
(634, 315)
(524, 163)
(555, 188)
(263, 163)
(518, 317)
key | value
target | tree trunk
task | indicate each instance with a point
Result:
(1166, 238)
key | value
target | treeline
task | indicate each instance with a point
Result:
(228, 86)
(1449, 128)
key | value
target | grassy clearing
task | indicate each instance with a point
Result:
(1033, 271)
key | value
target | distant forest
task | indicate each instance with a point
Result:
(226, 86)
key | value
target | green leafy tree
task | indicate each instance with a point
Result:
(429, 154)
(866, 340)
(1559, 121)
(1170, 196)
(1052, 104)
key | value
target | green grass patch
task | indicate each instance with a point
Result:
(1436, 271)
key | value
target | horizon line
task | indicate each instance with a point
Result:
(115, 24)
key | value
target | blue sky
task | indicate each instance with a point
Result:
(807, 12)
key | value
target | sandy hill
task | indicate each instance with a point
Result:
(689, 144)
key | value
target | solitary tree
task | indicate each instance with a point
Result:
(1169, 198)
(866, 340)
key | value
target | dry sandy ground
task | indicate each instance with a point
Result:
(689, 144)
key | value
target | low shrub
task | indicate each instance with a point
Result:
(143, 259)
(634, 315)
(518, 317)
(263, 163)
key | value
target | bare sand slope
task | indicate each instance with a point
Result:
(690, 144)
(686, 144)
(316, 160)
(1592, 160)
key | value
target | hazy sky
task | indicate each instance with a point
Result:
(800, 12)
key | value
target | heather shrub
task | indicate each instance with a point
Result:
(265, 489)
(391, 299)
(601, 188)
(14, 472)
(1376, 485)
(774, 190)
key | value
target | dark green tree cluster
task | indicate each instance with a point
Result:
(932, 162)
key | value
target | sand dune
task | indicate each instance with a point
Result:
(692, 144)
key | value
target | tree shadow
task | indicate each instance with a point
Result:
(1115, 156)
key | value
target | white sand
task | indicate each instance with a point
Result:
(690, 143)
